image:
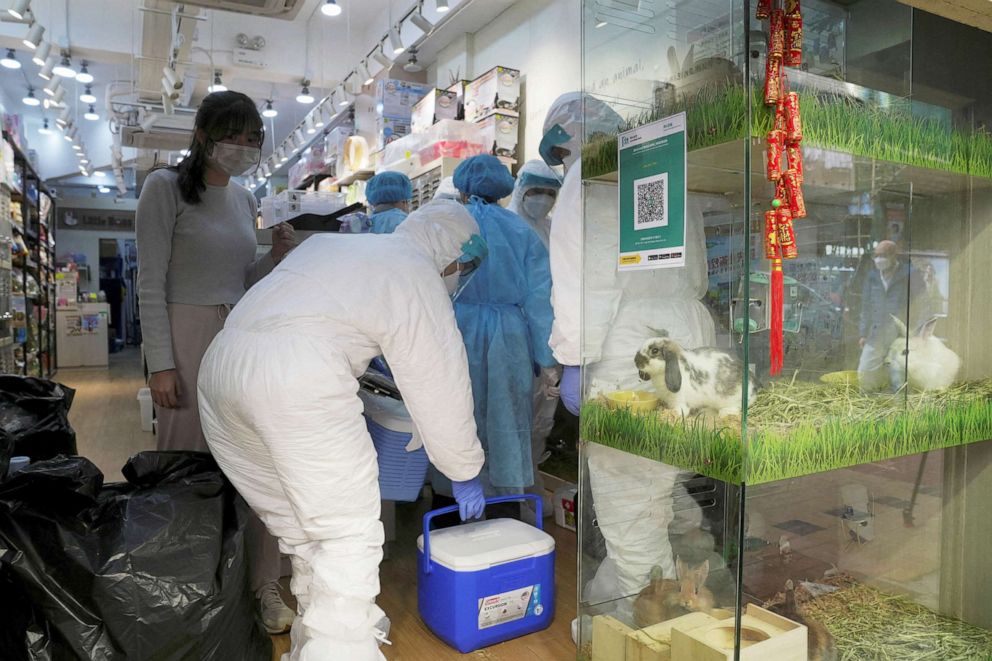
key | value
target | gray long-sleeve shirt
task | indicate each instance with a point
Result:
(202, 254)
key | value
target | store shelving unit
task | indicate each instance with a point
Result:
(28, 210)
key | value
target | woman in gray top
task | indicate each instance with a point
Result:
(196, 258)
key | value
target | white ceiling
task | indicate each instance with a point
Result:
(108, 33)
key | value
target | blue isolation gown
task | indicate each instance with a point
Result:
(386, 222)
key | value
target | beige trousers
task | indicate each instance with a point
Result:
(193, 329)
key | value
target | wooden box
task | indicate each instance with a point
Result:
(765, 636)
(609, 638)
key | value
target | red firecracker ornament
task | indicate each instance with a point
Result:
(776, 35)
(797, 203)
(793, 123)
(794, 153)
(771, 235)
(773, 80)
(776, 145)
(793, 41)
(786, 235)
(763, 9)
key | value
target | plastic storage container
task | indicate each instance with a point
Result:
(145, 402)
(486, 582)
(401, 473)
(448, 138)
(291, 204)
(565, 499)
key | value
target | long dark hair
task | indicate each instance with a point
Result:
(220, 115)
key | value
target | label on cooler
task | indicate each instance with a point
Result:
(510, 606)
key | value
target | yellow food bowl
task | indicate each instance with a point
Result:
(635, 400)
(844, 378)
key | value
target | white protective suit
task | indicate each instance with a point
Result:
(632, 496)
(278, 397)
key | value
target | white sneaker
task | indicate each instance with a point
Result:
(276, 615)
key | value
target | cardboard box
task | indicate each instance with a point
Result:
(501, 134)
(496, 90)
(389, 129)
(459, 89)
(435, 106)
(396, 98)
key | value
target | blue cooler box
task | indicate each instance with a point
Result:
(487, 581)
(401, 473)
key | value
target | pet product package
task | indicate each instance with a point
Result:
(496, 90)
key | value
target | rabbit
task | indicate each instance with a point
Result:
(658, 602)
(925, 362)
(693, 379)
(693, 593)
(820, 644)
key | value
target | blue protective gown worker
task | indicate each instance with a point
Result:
(388, 194)
(505, 316)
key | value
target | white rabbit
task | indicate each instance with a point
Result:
(689, 380)
(928, 361)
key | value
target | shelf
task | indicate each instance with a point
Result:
(361, 175)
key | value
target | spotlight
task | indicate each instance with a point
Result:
(395, 41)
(331, 8)
(381, 58)
(418, 19)
(168, 107)
(52, 86)
(218, 86)
(363, 72)
(63, 118)
(304, 95)
(35, 32)
(102, 189)
(44, 130)
(56, 100)
(41, 53)
(47, 71)
(64, 68)
(442, 6)
(318, 116)
(342, 96)
(84, 161)
(19, 9)
(87, 96)
(77, 146)
(100, 173)
(91, 114)
(31, 100)
(81, 155)
(168, 90)
(84, 76)
(10, 61)
(308, 123)
(170, 79)
(298, 139)
(283, 157)
(269, 110)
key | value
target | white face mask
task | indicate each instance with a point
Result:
(234, 160)
(538, 206)
(883, 263)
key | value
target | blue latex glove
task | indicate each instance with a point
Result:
(471, 501)
(570, 382)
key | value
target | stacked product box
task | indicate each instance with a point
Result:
(435, 106)
(385, 115)
(459, 89)
(492, 101)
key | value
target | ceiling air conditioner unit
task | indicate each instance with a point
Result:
(287, 9)
(162, 132)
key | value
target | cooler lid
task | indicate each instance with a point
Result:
(483, 544)
(387, 412)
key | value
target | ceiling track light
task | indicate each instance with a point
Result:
(442, 6)
(381, 58)
(318, 115)
(41, 53)
(331, 8)
(269, 110)
(71, 135)
(168, 90)
(84, 76)
(10, 60)
(342, 96)
(418, 19)
(171, 79)
(64, 67)
(35, 33)
(299, 139)
(59, 96)
(304, 96)
(63, 118)
(363, 72)
(30, 99)
(53, 85)
(168, 107)
(19, 9)
(47, 71)
(395, 41)
(91, 114)
(309, 124)
(87, 96)
(218, 85)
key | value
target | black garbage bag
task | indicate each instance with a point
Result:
(152, 569)
(34, 419)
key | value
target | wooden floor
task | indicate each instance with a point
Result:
(106, 418)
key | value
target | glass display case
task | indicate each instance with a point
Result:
(787, 367)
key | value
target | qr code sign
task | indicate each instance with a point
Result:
(651, 202)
